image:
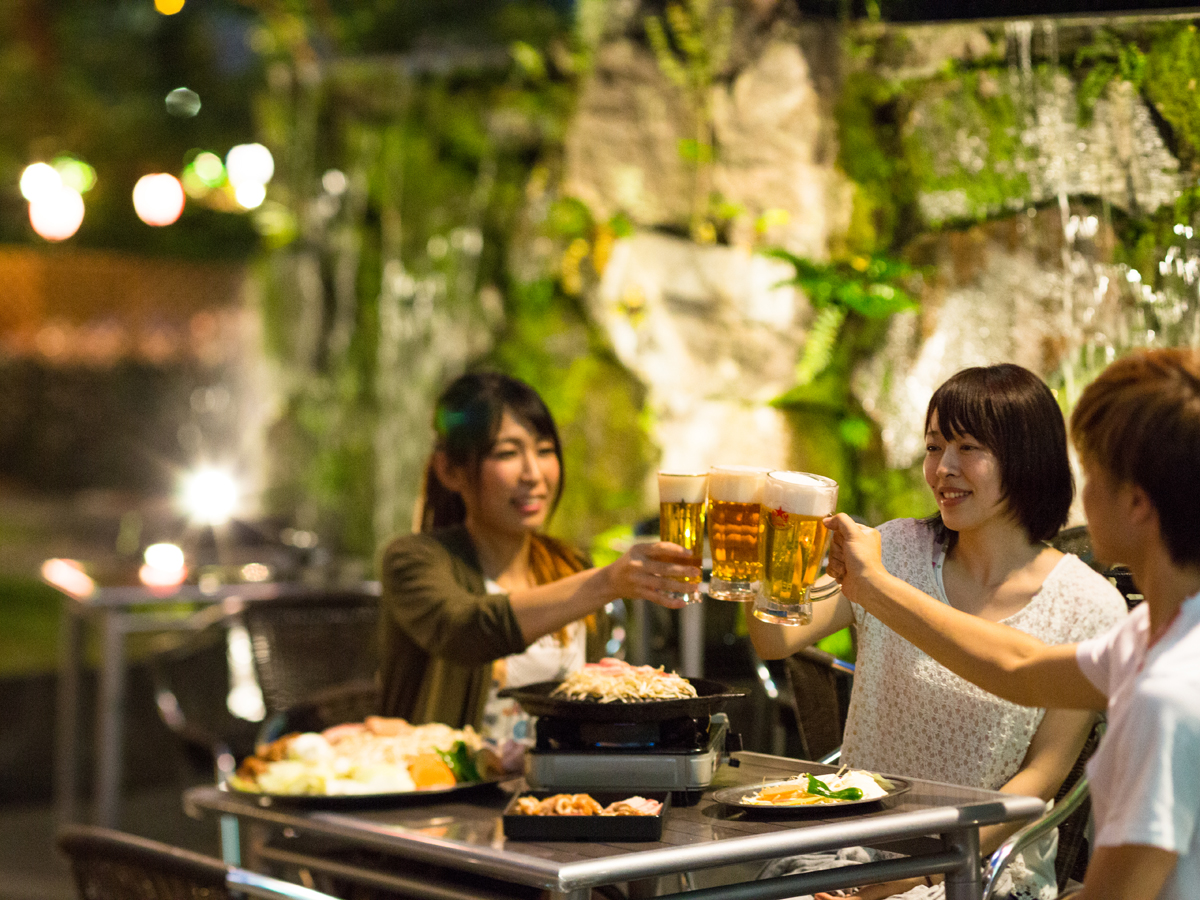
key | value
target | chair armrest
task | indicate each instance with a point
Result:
(827, 659)
(1031, 833)
(834, 755)
(242, 881)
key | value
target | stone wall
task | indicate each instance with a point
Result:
(1033, 170)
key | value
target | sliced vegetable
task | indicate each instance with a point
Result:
(461, 762)
(821, 789)
(429, 771)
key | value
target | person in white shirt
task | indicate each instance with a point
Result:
(1137, 429)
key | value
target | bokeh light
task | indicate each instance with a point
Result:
(183, 102)
(56, 213)
(168, 7)
(68, 575)
(256, 572)
(163, 556)
(39, 180)
(209, 496)
(249, 164)
(250, 195)
(193, 184)
(158, 199)
(209, 168)
(75, 173)
(164, 567)
(334, 182)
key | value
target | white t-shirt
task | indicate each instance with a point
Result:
(1145, 775)
(549, 658)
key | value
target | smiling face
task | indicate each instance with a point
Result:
(965, 479)
(516, 485)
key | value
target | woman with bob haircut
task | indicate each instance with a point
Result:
(480, 599)
(996, 462)
(1137, 429)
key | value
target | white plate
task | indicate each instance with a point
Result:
(739, 797)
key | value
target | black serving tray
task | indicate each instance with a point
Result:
(587, 828)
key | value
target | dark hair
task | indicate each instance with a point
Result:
(1140, 421)
(466, 421)
(1013, 413)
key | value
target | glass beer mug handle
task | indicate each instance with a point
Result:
(823, 590)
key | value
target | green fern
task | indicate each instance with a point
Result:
(869, 286)
(818, 348)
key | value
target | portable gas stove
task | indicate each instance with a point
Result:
(652, 745)
(680, 754)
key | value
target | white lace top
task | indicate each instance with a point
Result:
(911, 716)
(546, 659)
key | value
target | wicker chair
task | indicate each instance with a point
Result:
(818, 690)
(314, 653)
(191, 683)
(306, 645)
(352, 701)
(112, 865)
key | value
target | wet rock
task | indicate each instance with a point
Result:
(778, 150)
(987, 145)
(775, 147)
(713, 337)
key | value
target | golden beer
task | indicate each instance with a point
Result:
(681, 518)
(734, 530)
(793, 544)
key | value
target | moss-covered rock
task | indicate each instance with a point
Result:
(1171, 73)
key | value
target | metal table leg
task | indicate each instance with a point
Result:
(691, 640)
(965, 881)
(110, 712)
(638, 640)
(66, 716)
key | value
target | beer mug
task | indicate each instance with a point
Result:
(735, 496)
(681, 520)
(793, 544)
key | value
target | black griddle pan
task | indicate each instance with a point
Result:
(535, 699)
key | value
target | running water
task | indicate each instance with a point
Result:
(1045, 286)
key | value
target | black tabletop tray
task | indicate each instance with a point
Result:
(587, 828)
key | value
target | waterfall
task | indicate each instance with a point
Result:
(1034, 277)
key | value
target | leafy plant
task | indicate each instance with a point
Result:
(1170, 84)
(870, 286)
(1106, 60)
(691, 48)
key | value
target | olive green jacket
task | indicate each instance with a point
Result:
(440, 630)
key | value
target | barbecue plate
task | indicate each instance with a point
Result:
(535, 699)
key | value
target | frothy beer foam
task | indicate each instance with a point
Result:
(737, 484)
(682, 488)
(801, 494)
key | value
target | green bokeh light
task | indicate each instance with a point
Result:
(75, 173)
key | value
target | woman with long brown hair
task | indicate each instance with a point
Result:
(480, 599)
